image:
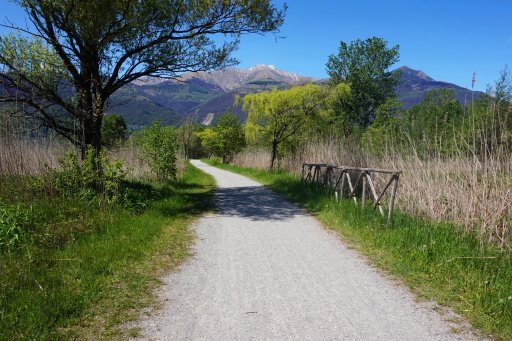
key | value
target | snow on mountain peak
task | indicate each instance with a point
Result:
(259, 67)
(229, 79)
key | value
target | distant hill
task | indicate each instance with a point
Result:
(206, 95)
(415, 83)
(255, 77)
(201, 95)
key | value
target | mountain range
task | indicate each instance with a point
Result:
(206, 95)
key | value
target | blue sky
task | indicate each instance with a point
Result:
(449, 40)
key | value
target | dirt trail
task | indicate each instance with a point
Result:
(265, 270)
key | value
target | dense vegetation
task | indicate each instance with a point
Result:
(82, 246)
(225, 139)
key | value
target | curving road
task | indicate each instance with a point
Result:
(266, 270)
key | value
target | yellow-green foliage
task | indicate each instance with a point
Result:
(280, 115)
(225, 139)
(34, 58)
(208, 137)
(280, 112)
(337, 118)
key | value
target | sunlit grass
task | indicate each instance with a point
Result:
(88, 284)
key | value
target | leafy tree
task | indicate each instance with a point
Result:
(208, 138)
(113, 130)
(432, 123)
(231, 136)
(279, 115)
(159, 147)
(226, 138)
(339, 116)
(79, 53)
(187, 139)
(381, 132)
(364, 65)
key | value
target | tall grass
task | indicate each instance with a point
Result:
(474, 192)
(21, 156)
(133, 161)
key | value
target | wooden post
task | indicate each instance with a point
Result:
(375, 197)
(328, 177)
(302, 173)
(342, 185)
(308, 177)
(351, 188)
(363, 197)
(383, 192)
(392, 199)
(336, 181)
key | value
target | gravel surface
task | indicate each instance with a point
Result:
(266, 270)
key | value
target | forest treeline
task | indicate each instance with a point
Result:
(359, 105)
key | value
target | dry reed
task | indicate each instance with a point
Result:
(473, 192)
(24, 156)
(133, 162)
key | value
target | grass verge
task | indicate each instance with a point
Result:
(103, 273)
(435, 259)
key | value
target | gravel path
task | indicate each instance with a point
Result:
(266, 270)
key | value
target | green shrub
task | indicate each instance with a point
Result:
(14, 224)
(159, 147)
(113, 130)
(94, 176)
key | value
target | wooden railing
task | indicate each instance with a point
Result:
(338, 180)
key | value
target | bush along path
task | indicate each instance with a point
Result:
(78, 266)
(436, 260)
(266, 270)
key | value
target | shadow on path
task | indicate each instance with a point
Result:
(255, 203)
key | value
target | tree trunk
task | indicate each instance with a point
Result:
(92, 129)
(273, 154)
(92, 134)
(92, 117)
(90, 104)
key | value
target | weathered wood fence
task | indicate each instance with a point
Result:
(338, 181)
